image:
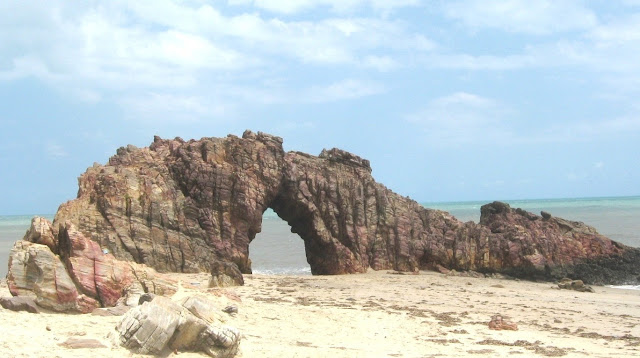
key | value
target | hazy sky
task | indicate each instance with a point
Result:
(450, 100)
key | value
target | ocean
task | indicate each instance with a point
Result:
(278, 251)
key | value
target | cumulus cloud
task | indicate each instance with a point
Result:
(28, 66)
(462, 118)
(162, 107)
(346, 89)
(340, 6)
(55, 150)
(466, 118)
(380, 63)
(189, 50)
(541, 17)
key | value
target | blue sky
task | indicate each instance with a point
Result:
(450, 100)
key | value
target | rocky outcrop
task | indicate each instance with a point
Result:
(81, 277)
(35, 271)
(41, 232)
(163, 325)
(548, 247)
(181, 205)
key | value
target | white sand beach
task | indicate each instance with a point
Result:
(378, 314)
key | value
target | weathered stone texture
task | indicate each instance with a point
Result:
(81, 277)
(160, 325)
(225, 274)
(35, 271)
(177, 205)
(183, 205)
(17, 304)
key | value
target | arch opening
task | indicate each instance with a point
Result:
(276, 250)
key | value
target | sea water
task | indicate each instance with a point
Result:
(276, 250)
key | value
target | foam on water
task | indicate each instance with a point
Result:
(626, 287)
(296, 271)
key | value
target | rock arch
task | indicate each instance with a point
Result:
(179, 205)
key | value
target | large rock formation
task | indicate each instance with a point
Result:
(181, 205)
(74, 273)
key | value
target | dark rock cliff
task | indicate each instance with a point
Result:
(180, 205)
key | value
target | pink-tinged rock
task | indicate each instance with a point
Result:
(82, 277)
(19, 304)
(179, 205)
(501, 323)
(41, 232)
(34, 271)
(98, 275)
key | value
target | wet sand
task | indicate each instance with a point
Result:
(378, 314)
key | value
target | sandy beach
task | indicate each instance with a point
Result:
(378, 314)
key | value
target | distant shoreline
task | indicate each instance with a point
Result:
(457, 202)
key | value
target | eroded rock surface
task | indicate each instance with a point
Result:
(35, 271)
(17, 304)
(81, 277)
(182, 205)
(502, 323)
(161, 324)
(225, 274)
(576, 285)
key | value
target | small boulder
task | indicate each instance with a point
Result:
(225, 274)
(162, 326)
(19, 304)
(501, 323)
(442, 269)
(232, 310)
(576, 285)
(146, 297)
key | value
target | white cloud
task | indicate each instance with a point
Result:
(465, 118)
(28, 66)
(539, 17)
(605, 53)
(340, 6)
(163, 107)
(187, 50)
(380, 63)
(476, 63)
(568, 131)
(327, 40)
(294, 126)
(344, 90)
(55, 150)
(626, 125)
(462, 118)
(618, 32)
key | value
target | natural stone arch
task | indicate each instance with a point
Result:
(322, 199)
(277, 249)
(181, 205)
